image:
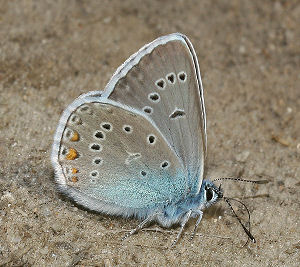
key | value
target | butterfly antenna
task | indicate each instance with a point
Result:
(242, 180)
(227, 200)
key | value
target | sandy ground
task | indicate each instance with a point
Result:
(249, 54)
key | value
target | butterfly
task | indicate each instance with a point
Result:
(137, 148)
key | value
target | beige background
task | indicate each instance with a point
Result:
(249, 54)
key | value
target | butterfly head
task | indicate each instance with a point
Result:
(211, 192)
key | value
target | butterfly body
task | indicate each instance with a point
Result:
(173, 213)
(138, 147)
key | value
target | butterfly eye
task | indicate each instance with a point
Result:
(209, 194)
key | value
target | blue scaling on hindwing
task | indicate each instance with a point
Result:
(141, 193)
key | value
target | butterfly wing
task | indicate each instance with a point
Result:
(163, 81)
(110, 158)
(141, 143)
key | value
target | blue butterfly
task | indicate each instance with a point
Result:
(138, 147)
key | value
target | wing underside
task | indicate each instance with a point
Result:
(163, 81)
(142, 142)
(116, 156)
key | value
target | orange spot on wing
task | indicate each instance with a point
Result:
(74, 179)
(72, 154)
(74, 170)
(75, 137)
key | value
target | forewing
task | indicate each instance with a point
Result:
(163, 81)
(110, 158)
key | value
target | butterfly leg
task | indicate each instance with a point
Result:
(140, 226)
(197, 223)
(182, 223)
